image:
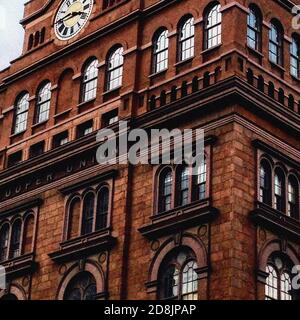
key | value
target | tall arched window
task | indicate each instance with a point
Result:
(74, 218)
(279, 190)
(21, 113)
(160, 51)
(15, 241)
(278, 283)
(186, 39)
(102, 208)
(213, 27)
(4, 234)
(293, 197)
(115, 69)
(81, 287)
(89, 81)
(43, 103)
(265, 177)
(88, 214)
(254, 29)
(182, 186)
(276, 43)
(165, 190)
(199, 185)
(178, 279)
(295, 57)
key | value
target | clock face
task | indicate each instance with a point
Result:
(72, 17)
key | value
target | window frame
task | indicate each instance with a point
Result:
(171, 261)
(89, 78)
(40, 104)
(278, 44)
(185, 22)
(191, 192)
(81, 194)
(111, 68)
(216, 6)
(295, 57)
(22, 102)
(256, 29)
(156, 51)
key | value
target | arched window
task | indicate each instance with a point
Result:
(279, 190)
(293, 197)
(21, 113)
(178, 279)
(186, 39)
(295, 57)
(102, 208)
(278, 283)
(254, 29)
(213, 27)
(89, 81)
(43, 103)
(275, 43)
(182, 187)
(165, 190)
(265, 177)
(88, 214)
(199, 185)
(74, 218)
(115, 69)
(4, 234)
(271, 89)
(81, 287)
(15, 241)
(160, 51)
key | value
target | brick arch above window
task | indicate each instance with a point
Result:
(89, 266)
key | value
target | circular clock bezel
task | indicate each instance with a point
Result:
(66, 38)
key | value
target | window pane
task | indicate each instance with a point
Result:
(115, 69)
(90, 81)
(190, 282)
(271, 289)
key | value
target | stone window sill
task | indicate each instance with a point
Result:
(83, 246)
(165, 223)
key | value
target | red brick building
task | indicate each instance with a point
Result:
(73, 229)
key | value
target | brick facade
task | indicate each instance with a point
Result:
(225, 90)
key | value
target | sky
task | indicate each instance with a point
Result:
(11, 32)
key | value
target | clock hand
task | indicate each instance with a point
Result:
(69, 16)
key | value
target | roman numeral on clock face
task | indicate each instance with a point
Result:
(72, 17)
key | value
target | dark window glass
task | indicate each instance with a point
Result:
(293, 198)
(102, 208)
(183, 186)
(254, 29)
(165, 199)
(15, 240)
(199, 187)
(265, 183)
(88, 214)
(82, 287)
(279, 190)
(295, 57)
(4, 233)
(275, 44)
(178, 277)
